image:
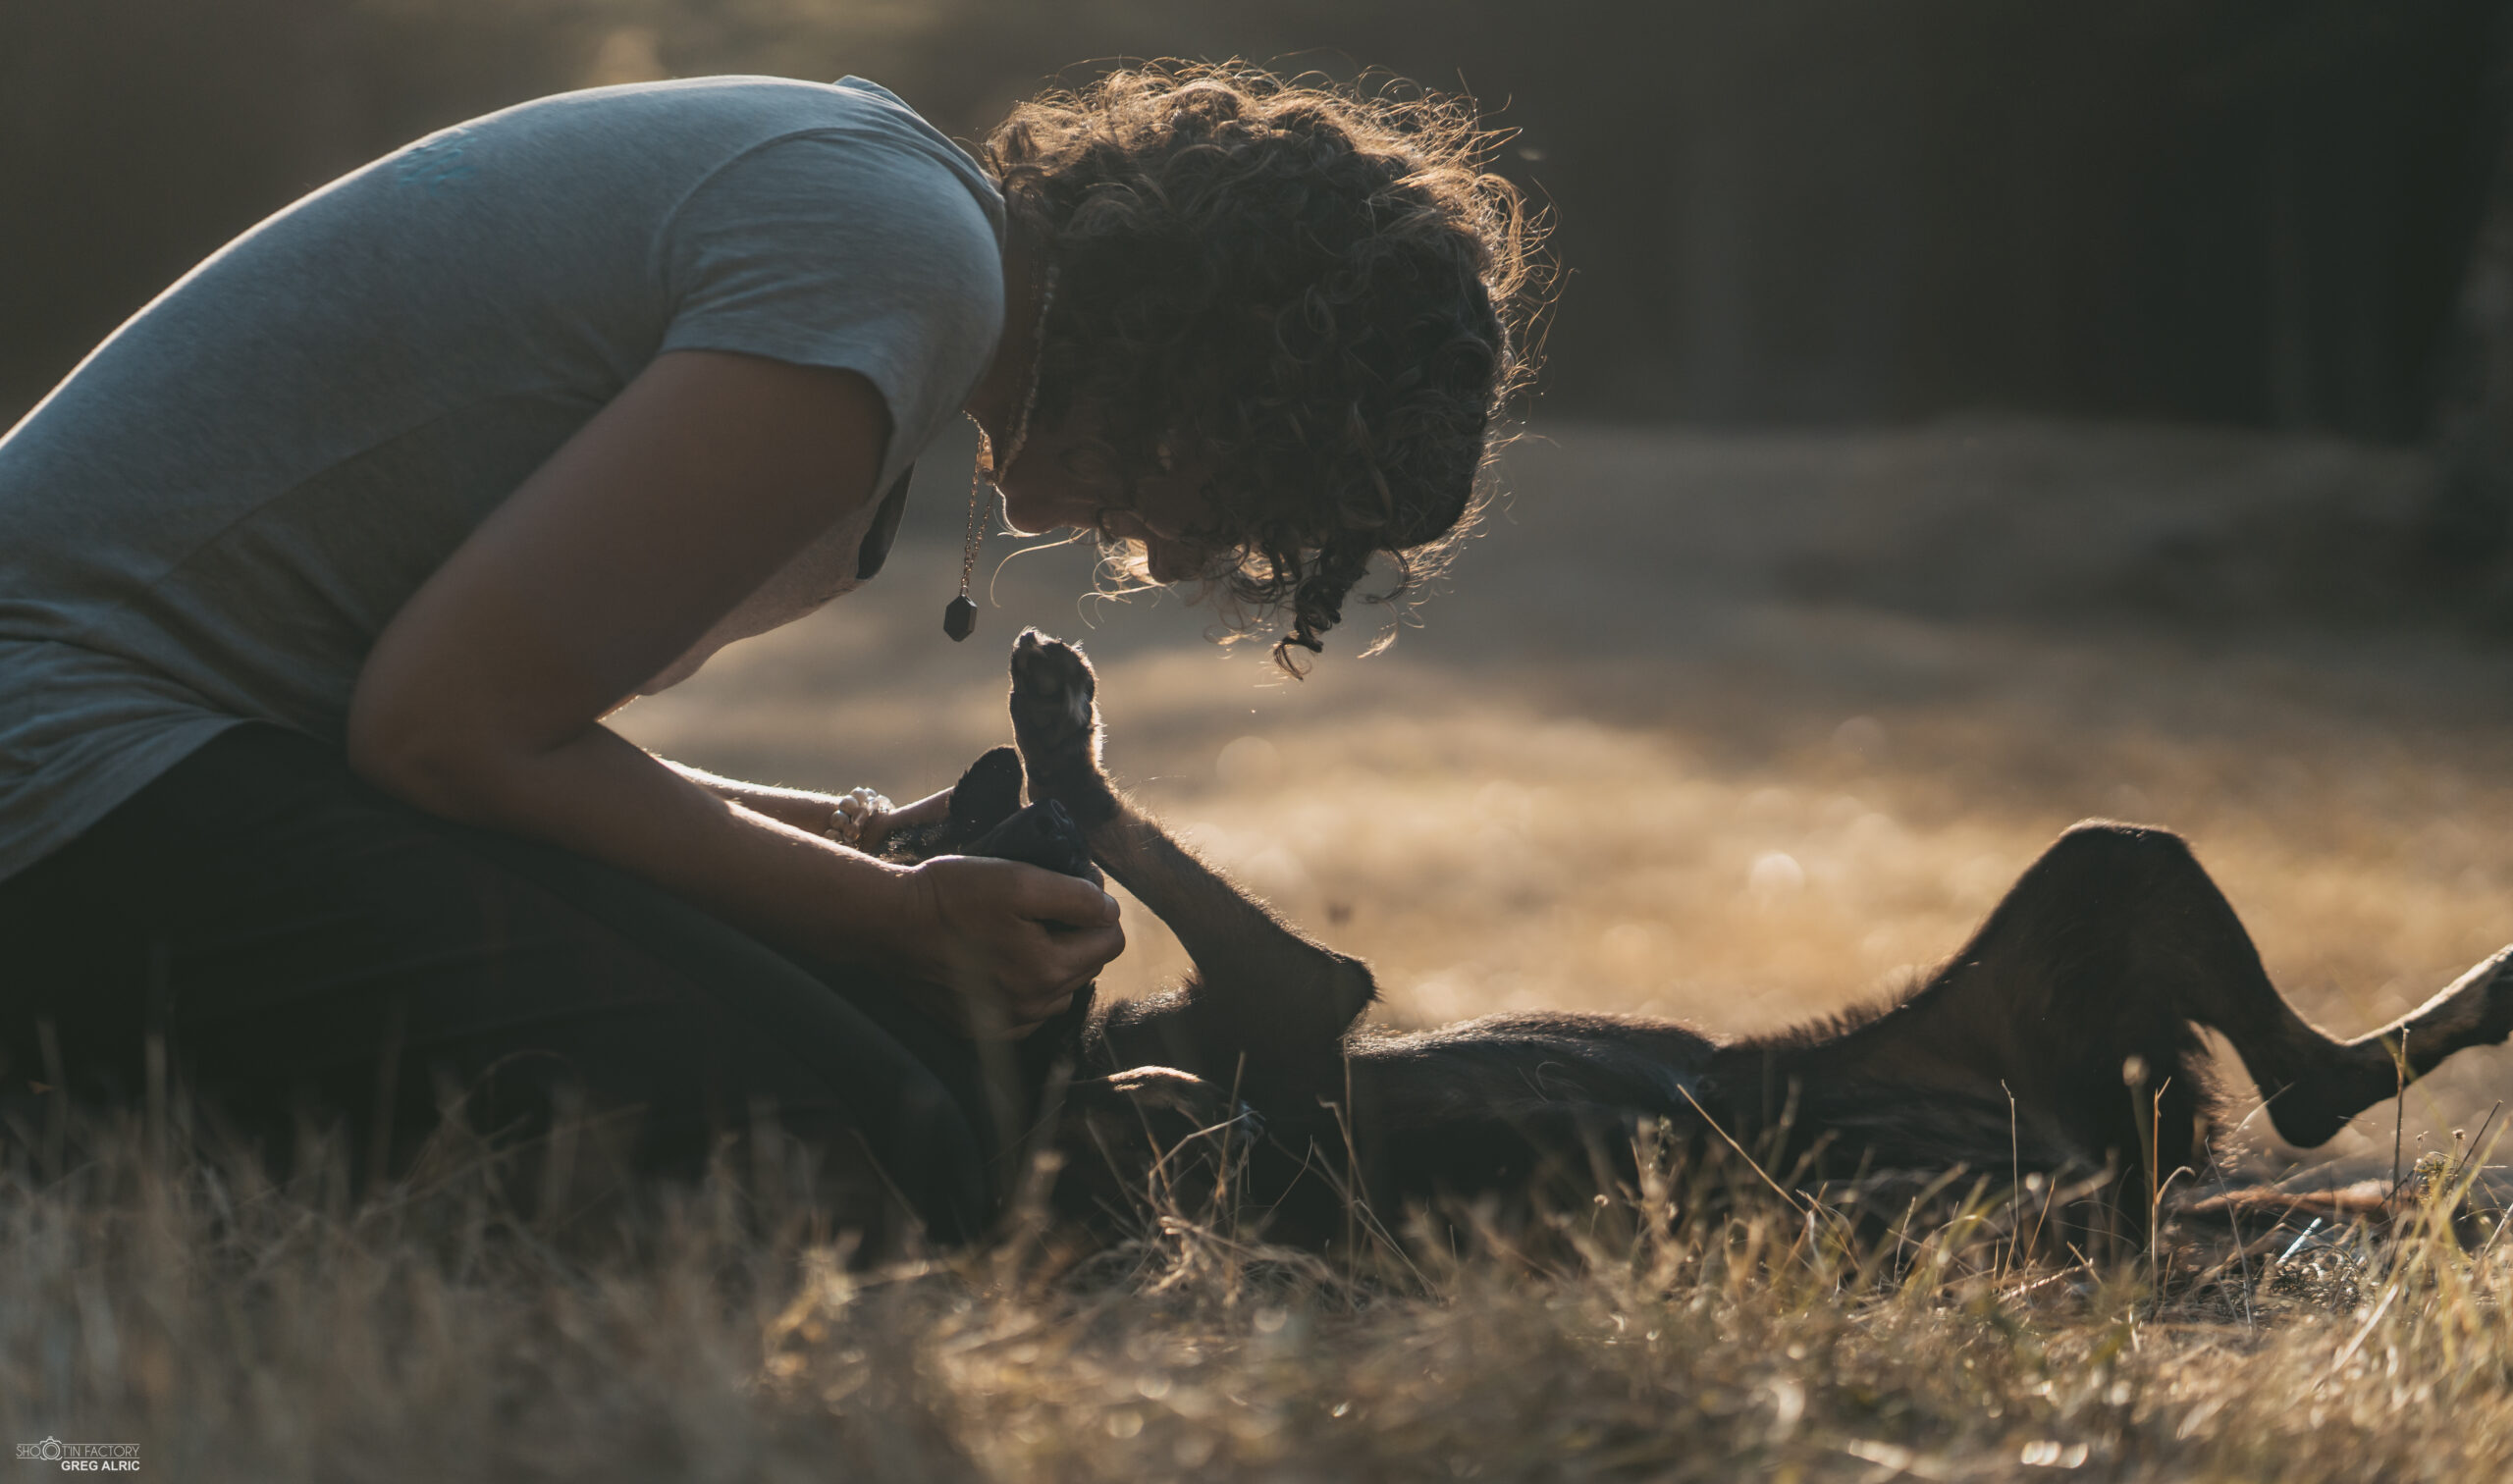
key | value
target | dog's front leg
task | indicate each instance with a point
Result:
(1262, 992)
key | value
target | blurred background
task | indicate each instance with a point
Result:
(2253, 211)
(1960, 418)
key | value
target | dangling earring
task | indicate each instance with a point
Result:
(960, 617)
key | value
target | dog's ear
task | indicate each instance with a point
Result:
(986, 796)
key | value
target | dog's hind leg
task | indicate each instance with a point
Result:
(1261, 990)
(2109, 947)
(2188, 956)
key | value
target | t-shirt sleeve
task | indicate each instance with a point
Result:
(848, 250)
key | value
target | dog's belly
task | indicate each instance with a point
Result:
(1499, 1105)
(1538, 1068)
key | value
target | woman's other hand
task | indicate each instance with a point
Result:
(997, 947)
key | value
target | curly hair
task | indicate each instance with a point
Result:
(1320, 293)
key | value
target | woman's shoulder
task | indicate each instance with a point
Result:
(727, 116)
(746, 103)
(861, 245)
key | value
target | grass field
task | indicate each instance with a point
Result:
(1733, 728)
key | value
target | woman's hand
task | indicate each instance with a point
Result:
(996, 948)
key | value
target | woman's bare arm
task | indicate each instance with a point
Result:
(811, 812)
(798, 808)
(480, 701)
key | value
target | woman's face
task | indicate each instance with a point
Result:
(1064, 478)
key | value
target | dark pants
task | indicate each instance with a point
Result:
(300, 941)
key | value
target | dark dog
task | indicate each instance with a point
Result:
(2063, 1037)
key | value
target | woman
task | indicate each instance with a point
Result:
(318, 577)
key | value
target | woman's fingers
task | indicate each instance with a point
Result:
(1070, 960)
(1049, 896)
(1067, 960)
(1088, 950)
(1015, 942)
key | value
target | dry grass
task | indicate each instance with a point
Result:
(1727, 728)
(233, 1330)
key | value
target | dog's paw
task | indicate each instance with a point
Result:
(1174, 1105)
(1168, 1090)
(1054, 715)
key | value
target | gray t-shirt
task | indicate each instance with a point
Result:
(213, 518)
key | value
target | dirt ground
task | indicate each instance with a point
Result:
(1743, 727)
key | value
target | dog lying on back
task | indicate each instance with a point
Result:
(2100, 965)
